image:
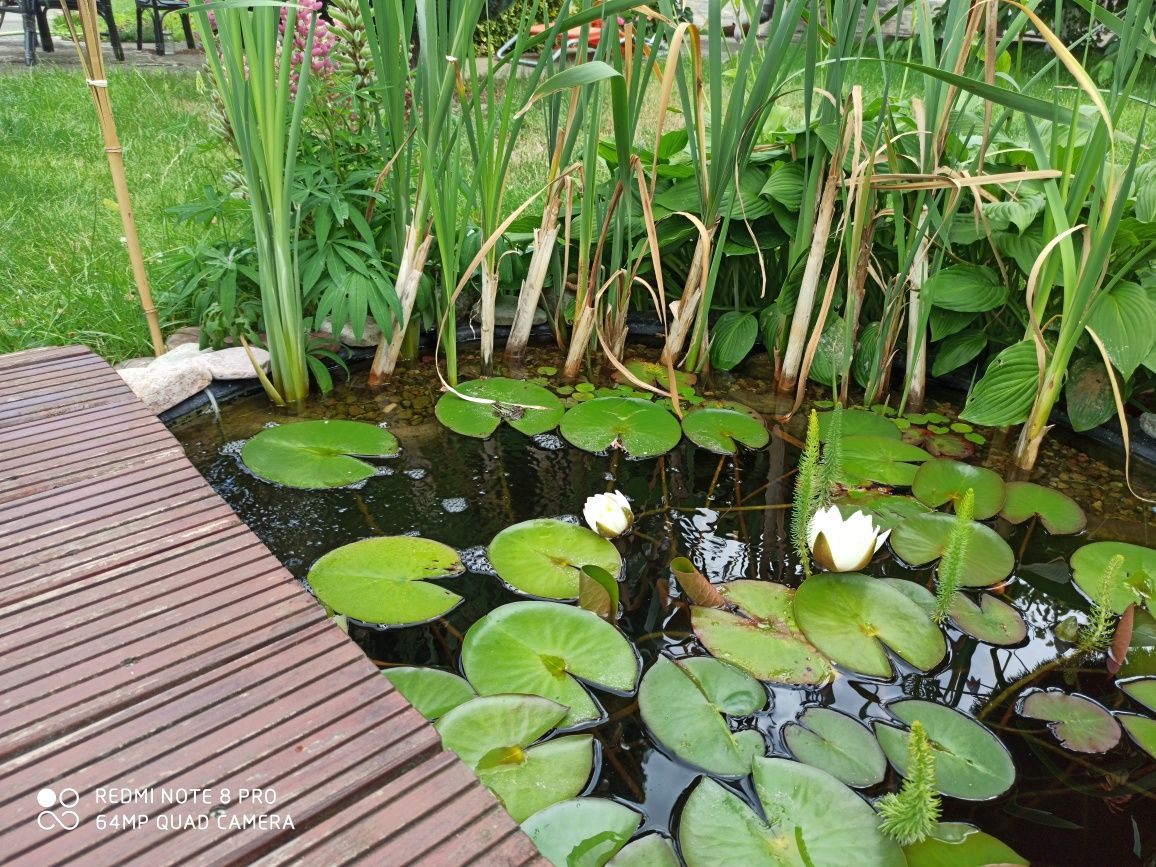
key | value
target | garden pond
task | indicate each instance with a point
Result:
(1060, 768)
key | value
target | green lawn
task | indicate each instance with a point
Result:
(62, 261)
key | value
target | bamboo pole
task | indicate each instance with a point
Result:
(92, 62)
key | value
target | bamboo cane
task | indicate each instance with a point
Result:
(92, 61)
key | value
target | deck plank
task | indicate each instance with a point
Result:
(149, 640)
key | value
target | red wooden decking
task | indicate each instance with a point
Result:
(150, 642)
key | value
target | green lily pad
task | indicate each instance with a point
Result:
(867, 459)
(889, 510)
(720, 426)
(681, 703)
(1142, 731)
(763, 639)
(991, 621)
(492, 735)
(384, 581)
(1134, 582)
(939, 442)
(431, 691)
(317, 454)
(812, 819)
(920, 540)
(526, 407)
(651, 850)
(1058, 512)
(956, 844)
(853, 619)
(838, 744)
(1141, 689)
(543, 557)
(970, 762)
(653, 373)
(943, 480)
(543, 648)
(860, 422)
(582, 832)
(640, 428)
(1079, 724)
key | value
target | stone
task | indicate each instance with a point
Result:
(162, 386)
(183, 336)
(1148, 423)
(182, 354)
(132, 363)
(370, 335)
(234, 363)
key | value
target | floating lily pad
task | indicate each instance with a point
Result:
(922, 539)
(653, 373)
(720, 426)
(943, 480)
(524, 406)
(582, 832)
(651, 850)
(889, 510)
(860, 422)
(1078, 723)
(1134, 582)
(812, 818)
(853, 619)
(838, 744)
(317, 454)
(542, 648)
(640, 428)
(763, 639)
(1142, 731)
(992, 621)
(543, 557)
(384, 581)
(1058, 512)
(970, 762)
(492, 735)
(939, 442)
(431, 691)
(1142, 689)
(682, 702)
(867, 459)
(956, 844)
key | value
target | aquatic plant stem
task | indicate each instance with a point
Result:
(714, 479)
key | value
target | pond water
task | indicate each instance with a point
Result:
(1064, 808)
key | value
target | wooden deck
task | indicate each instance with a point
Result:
(150, 642)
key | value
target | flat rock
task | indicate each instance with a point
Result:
(1148, 423)
(370, 335)
(161, 386)
(131, 363)
(183, 336)
(234, 363)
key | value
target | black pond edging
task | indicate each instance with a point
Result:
(644, 326)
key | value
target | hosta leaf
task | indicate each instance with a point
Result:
(965, 289)
(732, 338)
(1125, 320)
(1005, 394)
(957, 350)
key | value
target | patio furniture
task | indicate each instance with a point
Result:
(159, 9)
(35, 16)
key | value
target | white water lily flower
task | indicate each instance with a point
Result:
(844, 545)
(608, 515)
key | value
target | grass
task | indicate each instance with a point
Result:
(65, 266)
(63, 262)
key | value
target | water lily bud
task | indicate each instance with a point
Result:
(608, 515)
(844, 545)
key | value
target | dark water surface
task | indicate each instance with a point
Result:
(1065, 808)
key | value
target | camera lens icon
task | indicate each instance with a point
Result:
(46, 798)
